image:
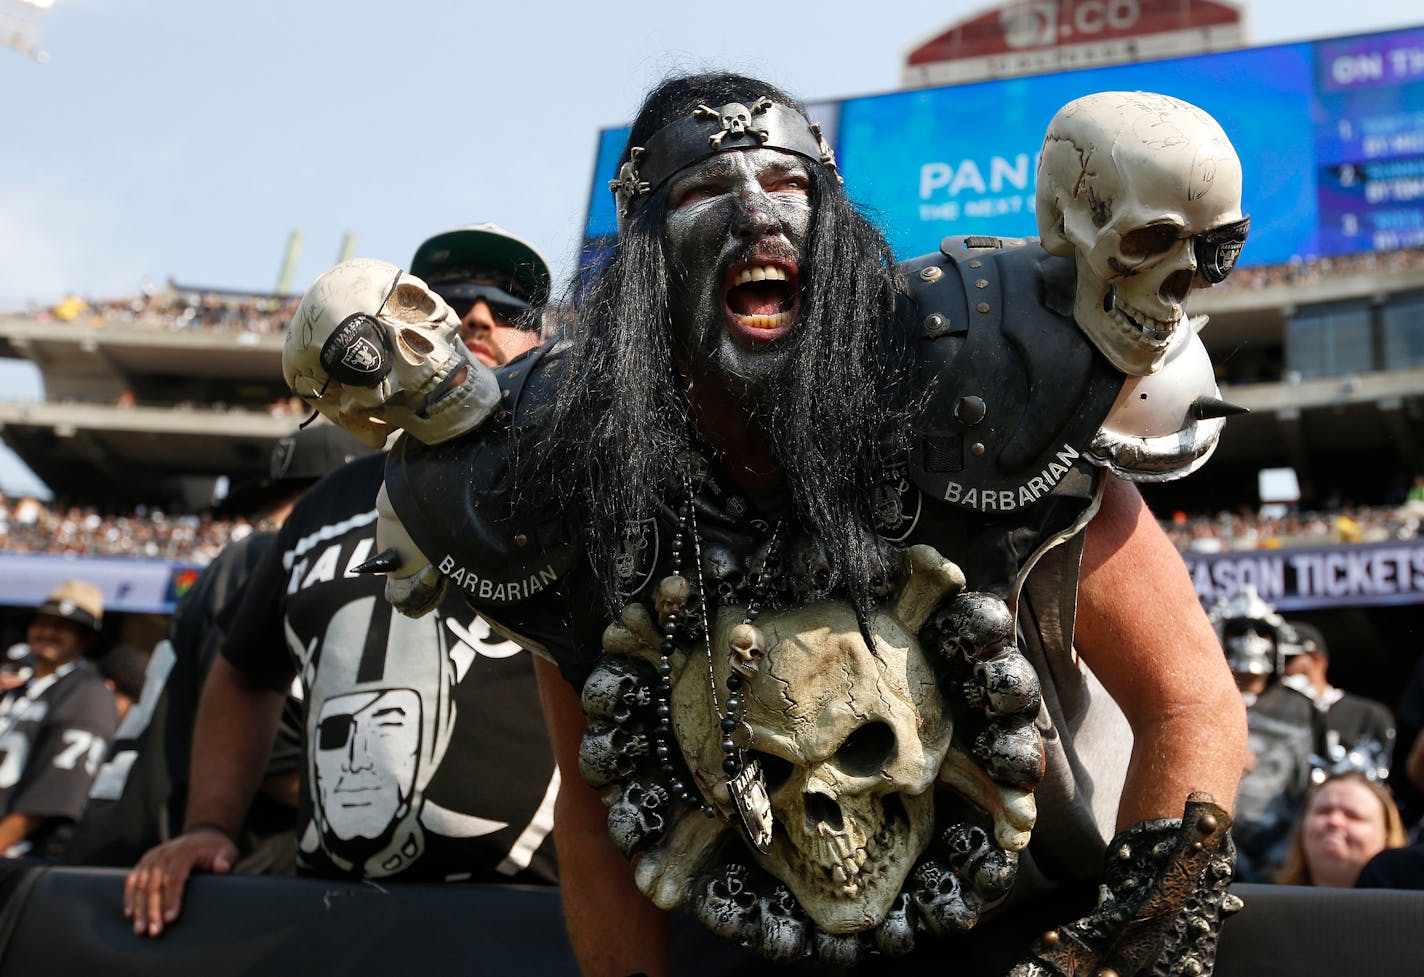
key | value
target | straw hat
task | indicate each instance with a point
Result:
(77, 601)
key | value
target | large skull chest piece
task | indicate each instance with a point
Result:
(850, 742)
(858, 744)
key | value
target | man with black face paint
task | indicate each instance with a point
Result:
(790, 666)
(761, 196)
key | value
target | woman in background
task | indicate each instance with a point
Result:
(1348, 819)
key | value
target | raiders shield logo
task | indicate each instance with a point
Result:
(1218, 248)
(895, 503)
(637, 557)
(358, 352)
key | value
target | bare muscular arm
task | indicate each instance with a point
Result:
(613, 927)
(1143, 632)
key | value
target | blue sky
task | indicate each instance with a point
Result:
(170, 139)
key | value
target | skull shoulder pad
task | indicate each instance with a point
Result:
(455, 499)
(1015, 392)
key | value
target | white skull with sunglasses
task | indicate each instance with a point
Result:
(1145, 191)
(374, 350)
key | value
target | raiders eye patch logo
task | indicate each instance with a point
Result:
(1218, 249)
(358, 352)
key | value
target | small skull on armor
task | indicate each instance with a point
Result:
(944, 906)
(785, 931)
(728, 907)
(638, 817)
(973, 625)
(895, 936)
(973, 855)
(615, 688)
(610, 754)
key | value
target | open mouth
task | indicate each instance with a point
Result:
(763, 298)
(430, 399)
(454, 381)
(1136, 325)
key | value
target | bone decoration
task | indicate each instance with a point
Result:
(1136, 187)
(886, 821)
(375, 350)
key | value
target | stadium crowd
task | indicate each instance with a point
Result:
(1269, 528)
(1302, 271)
(176, 307)
(29, 525)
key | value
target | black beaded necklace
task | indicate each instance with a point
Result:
(671, 603)
(745, 788)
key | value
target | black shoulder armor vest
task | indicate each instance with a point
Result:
(1014, 390)
(456, 498)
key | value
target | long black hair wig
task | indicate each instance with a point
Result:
(620, 430)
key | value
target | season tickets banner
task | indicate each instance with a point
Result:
(1330, 135)
(1303, 578)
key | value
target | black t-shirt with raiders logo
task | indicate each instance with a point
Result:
(54, 733)
(427, 754)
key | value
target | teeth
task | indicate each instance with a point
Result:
(849, 864)
(759, 273)
(1139, 325)
(765, 321)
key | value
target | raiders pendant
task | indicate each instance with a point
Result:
(753, 806)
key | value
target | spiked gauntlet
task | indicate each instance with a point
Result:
(1160, 908)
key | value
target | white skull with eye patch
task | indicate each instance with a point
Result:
(375, 350)
(1127, 183)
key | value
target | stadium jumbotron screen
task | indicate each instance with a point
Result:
(1330, 133)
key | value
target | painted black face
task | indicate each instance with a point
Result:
(736, 235)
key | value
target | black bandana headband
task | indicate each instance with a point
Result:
(762, 125)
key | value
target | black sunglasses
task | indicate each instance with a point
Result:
(507, 309)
